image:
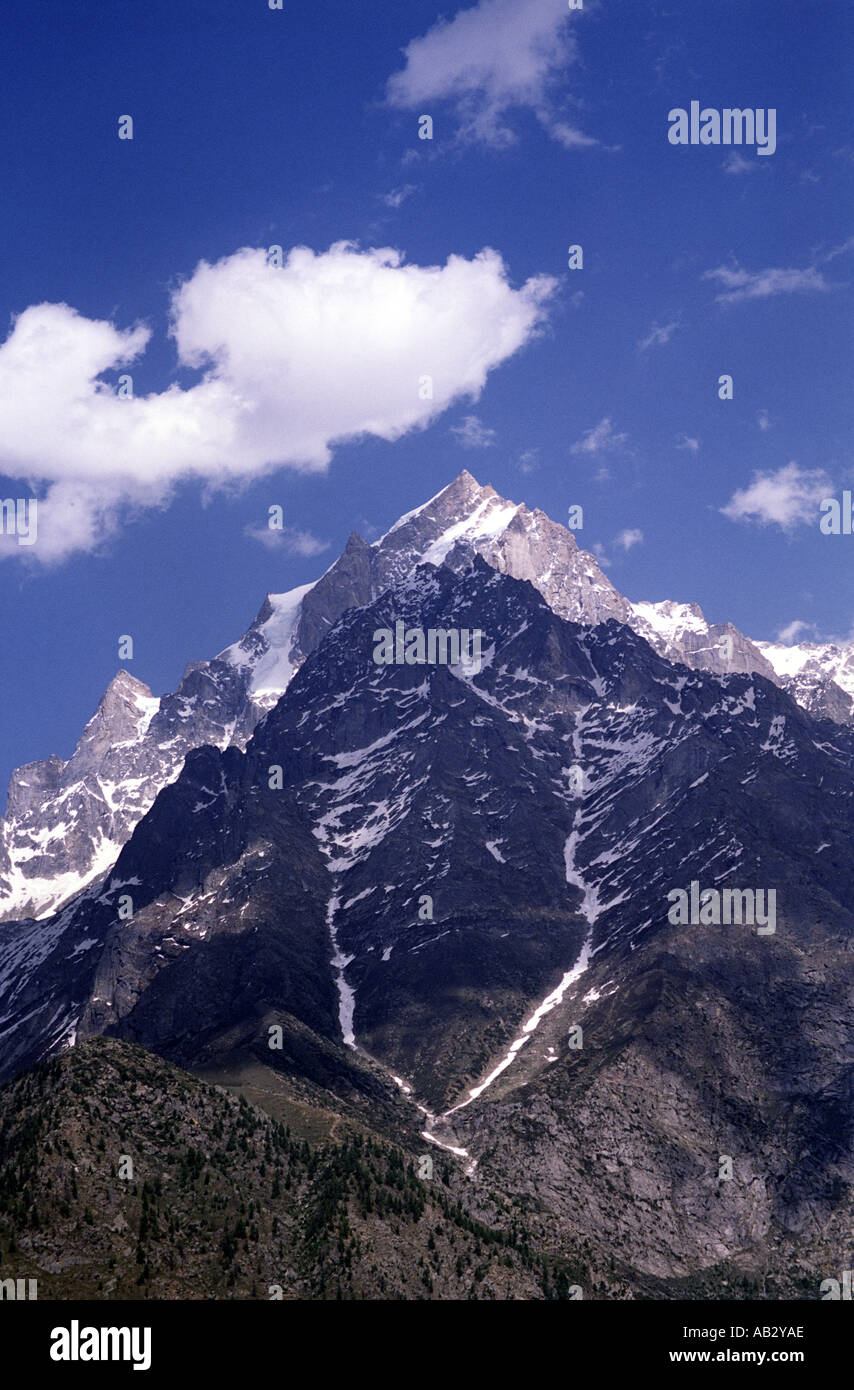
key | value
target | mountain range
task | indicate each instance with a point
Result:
(431, 903)
(66, 822)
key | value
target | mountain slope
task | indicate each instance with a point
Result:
(66, 822)
(433, 873)
(223, 1201)
(820, 676)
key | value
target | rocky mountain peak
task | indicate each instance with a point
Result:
(65, 822)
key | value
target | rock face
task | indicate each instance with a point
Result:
(439, 874)
(680, 632)
(66, 822)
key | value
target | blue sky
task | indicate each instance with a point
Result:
(299, 128)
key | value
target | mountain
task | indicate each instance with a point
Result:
(66, 822)
(428, 877)
(681, 632)
(819, 676)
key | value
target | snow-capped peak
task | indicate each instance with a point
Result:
(671, 619)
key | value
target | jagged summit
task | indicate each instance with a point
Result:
(66, 821)
(458, 499)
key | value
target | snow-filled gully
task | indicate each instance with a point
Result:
(591, 909)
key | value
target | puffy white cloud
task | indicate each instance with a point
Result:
(326, 348)
(488, 60)
(787, 498)
(628, 538)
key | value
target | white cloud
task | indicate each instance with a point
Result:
(529, 461)
(737, 164)
(685, 441)
(569, 137)
(787, 498)
(473, 433)
(841, 250)
(289, 539)
(601, 438)
(327, 348)
(495, 57)
(659, 335)
(762, 284)
(738, 283)
(763, 419)
(398, 196)
(792, 631)
(628, 538)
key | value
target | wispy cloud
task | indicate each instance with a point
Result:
(841, 250)
(602, 438)
(788, 498)
(572, 138)
(763, 419)
(739, 284)
(472, 433)
(792, 631)
(289, 539)
(737, 164)
(489, 60)
(659, 335)
(398, 196)
(626, 539)
(529, 462)
(684, 441)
